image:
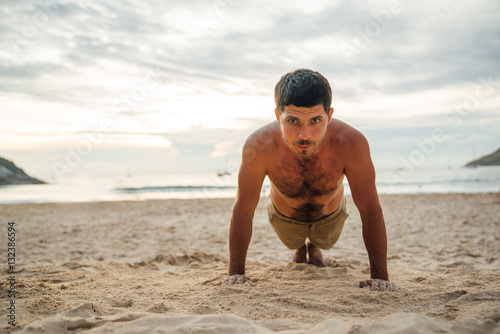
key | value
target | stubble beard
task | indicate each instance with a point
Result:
(302, 153)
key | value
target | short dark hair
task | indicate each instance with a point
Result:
(303, 88)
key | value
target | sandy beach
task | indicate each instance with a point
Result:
(155, 267)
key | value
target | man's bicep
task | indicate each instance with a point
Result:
(250, 178)
(360, 174)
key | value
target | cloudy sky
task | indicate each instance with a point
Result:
(112, 87)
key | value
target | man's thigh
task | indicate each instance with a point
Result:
(291, 235)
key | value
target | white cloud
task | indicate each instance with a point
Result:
(216, 74)
(223, 148)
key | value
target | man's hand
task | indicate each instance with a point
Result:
(237, 279)
(378, 284)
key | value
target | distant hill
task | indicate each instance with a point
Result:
(11, 174)
(492, 159)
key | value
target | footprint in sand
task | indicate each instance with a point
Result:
(88, 310)
(122, 303)
(182, 260)
(161, 308)
(203, 309)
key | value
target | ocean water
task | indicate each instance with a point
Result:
(140, 188)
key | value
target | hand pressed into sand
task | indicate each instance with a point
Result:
(237, 279)
(378, 284)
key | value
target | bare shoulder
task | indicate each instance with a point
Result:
(262, 141)
(346, 136)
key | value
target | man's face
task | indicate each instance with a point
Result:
(304, 129)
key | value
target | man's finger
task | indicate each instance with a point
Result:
(232, 280)
(374, 285)
(241, 280)
(390, 287)
(364, 284)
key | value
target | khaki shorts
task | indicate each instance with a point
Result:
(323, 233)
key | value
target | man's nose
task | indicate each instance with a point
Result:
(304, 132)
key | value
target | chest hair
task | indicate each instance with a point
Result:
(306, 178)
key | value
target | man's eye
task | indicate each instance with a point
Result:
(293, 121)
(316, 120)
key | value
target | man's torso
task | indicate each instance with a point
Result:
(306, 189)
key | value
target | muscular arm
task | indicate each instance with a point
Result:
(361, 176)
(250, 178)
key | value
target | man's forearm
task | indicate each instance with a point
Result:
(375, 238)
(240, 233)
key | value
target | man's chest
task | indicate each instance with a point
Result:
(305, 178)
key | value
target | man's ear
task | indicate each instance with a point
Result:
(330, 114)
(276, 112)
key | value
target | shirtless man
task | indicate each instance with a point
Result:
(305, 154)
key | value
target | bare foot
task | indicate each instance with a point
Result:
(300, 255)
(315, 255)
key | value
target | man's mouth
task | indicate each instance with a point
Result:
(304, 144)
